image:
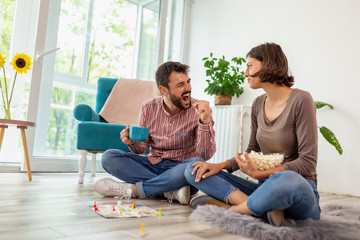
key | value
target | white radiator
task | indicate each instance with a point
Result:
(232, 132)
(231, 122)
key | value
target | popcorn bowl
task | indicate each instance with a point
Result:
(265, 161)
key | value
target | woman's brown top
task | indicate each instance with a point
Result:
(293, 132)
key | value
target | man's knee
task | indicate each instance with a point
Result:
(194, 160)
(188, 173)
(109, 156)
(189, 168)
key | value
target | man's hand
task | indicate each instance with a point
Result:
(124, 135)
(202, 109)
(201, 168)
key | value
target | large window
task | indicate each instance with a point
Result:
(149, 30)
(100, 44)
(174, 31)
(93, 38)
(113, 38)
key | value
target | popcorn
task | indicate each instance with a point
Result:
(264, 162)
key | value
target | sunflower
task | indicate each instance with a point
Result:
(21, 63)
(2, 60)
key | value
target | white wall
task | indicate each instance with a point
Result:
(322, 42)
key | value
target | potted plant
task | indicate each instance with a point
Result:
(225, 80)
(327, 133)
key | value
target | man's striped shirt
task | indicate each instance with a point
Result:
(176, 137)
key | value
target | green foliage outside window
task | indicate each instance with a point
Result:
(7, 9)
(110, 54)
(61, 139)
(72, 26)
(112, 39)
(61, 96)
(6, 17)
(111, 43)
(82, 97)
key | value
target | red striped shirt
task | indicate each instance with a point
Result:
(176, 137)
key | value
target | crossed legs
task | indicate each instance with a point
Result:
(286, 191)
(149, 179)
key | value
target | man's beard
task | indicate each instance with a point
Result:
(177, 100)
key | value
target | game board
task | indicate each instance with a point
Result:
(124, 211)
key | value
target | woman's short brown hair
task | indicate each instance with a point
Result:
(274, 64)
(164, 71)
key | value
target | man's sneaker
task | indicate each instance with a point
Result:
(182, 195)
(110, 188)
(206, 200)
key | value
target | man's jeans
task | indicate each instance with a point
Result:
(285, 190)
(167, 175)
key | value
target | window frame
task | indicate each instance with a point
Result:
(37, 14)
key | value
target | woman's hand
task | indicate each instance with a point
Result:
(249, 167)
(201, 167)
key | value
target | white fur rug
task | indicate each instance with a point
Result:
(336, 222)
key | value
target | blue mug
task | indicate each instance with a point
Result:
(138, 134)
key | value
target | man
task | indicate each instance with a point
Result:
(180, 132)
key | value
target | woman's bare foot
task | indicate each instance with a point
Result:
(275, 217)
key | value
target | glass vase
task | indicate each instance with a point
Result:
(7, 113)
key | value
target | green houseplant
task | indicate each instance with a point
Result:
(225, 79)
(327, 133)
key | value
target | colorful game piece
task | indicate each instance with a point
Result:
(142, 228)
(124, 211)
(113, 207)
(159, 213)
(95, 204)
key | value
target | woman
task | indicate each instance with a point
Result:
(283, 120)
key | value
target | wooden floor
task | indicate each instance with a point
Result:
(55, 206)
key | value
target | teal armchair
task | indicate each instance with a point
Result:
(94, 134)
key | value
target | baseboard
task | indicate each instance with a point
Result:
(53, 164)
(9, 167)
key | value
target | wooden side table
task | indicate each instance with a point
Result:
(22, 125)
